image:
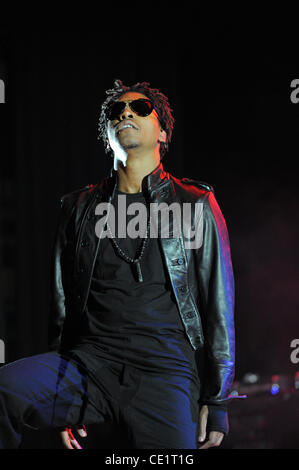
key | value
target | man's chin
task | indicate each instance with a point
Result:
(130, 145)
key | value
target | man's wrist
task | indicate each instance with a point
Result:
(218, 419)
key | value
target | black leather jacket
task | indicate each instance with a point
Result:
(201, 279)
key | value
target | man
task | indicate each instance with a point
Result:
(141, 328)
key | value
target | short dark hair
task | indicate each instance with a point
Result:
(159, 100)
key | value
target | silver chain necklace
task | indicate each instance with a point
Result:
(135, 262)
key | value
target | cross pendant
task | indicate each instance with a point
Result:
(138, 272)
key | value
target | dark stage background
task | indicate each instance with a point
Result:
(236, 128)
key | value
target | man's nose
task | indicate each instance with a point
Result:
(127, 113)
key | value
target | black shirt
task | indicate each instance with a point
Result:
(135, 323)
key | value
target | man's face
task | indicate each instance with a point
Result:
(145, 133)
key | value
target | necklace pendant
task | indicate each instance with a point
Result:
(138, 271)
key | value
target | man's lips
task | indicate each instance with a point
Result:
(126, 124)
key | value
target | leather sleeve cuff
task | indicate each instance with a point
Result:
(218, 419)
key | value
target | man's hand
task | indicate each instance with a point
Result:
(215, 437)
(68, 438)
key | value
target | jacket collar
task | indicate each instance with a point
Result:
(150, 182)
(154, 179)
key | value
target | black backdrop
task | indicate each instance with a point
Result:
(236, 128)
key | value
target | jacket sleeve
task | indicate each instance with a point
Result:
(57, 293)
(217, 289)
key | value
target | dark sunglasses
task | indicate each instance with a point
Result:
(142, 107)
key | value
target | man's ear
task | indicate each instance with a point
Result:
(108, 148)
(162, 136)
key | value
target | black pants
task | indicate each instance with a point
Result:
(53, 390)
